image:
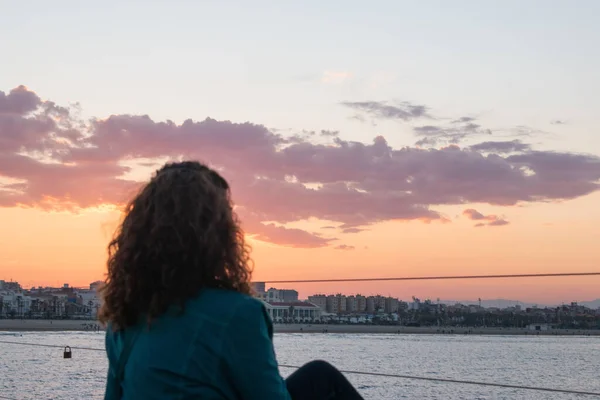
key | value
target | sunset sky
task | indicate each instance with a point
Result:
(361, 139)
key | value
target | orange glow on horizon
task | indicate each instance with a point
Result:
(52, 248)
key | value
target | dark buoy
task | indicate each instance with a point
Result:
(67, 352)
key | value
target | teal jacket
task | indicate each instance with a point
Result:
(221, 348)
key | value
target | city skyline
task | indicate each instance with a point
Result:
(263, 288)
(400, 140)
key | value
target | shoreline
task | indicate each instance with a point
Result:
(18, 325)
(426, 330)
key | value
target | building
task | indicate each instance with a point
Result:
(336, 304)
(14, 304)
(258, 287)
(90, 302)
(361, 303)
(288, 295)
(320, 300)
(10, 286)
(539, 327)
(294, 311)
(351, 304)
(332, 304)
(278, 295)
(342, 303)
(370, 304)
(391, 305)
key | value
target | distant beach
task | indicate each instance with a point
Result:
(40, 325)
(17, 325)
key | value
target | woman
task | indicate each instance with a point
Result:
(177, 301)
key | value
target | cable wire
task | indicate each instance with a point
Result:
(50, 345)
(398, 376)
(431, 278)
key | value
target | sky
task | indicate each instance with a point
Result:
(392, 138)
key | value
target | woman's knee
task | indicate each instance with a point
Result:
(320, 365)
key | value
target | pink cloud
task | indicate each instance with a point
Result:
(491, 220)
(64, 163)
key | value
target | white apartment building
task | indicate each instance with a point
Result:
(392, 305)
(343, 303)
(361, 303)
(278, 295)
(90, 300)
(320, 300)
(336, 304)
(370, 304)
(332, 304)
(295, 311)
(14, 303)
(259, 287)
(351, 304)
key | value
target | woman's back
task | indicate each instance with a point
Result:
(181, 322)
(219, 348)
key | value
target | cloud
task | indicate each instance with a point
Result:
(558, 122)
(498, 222)
(464, 128)
(463, 120)
(19, 101)
(404, 111)
(52, 160)
(344, 247)
(327, 133)
(473, 214)
(352, 230)
(344, 228)
(290, 237)
(525, 131)
(335, 77)
(27, 122)
(513, 146)
(491, 220)
(432, 135)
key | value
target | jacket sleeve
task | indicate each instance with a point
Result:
(111, 382)
(249, 354)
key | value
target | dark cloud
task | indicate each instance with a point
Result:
(19, 101)
(491, 220)
(51, 160)
(513, 146)
(381, 110)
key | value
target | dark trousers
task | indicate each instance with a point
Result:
(319, 380)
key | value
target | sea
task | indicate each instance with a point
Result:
(33, 372)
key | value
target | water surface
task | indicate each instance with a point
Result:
(28, 373)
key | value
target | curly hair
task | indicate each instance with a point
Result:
(179, 236)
